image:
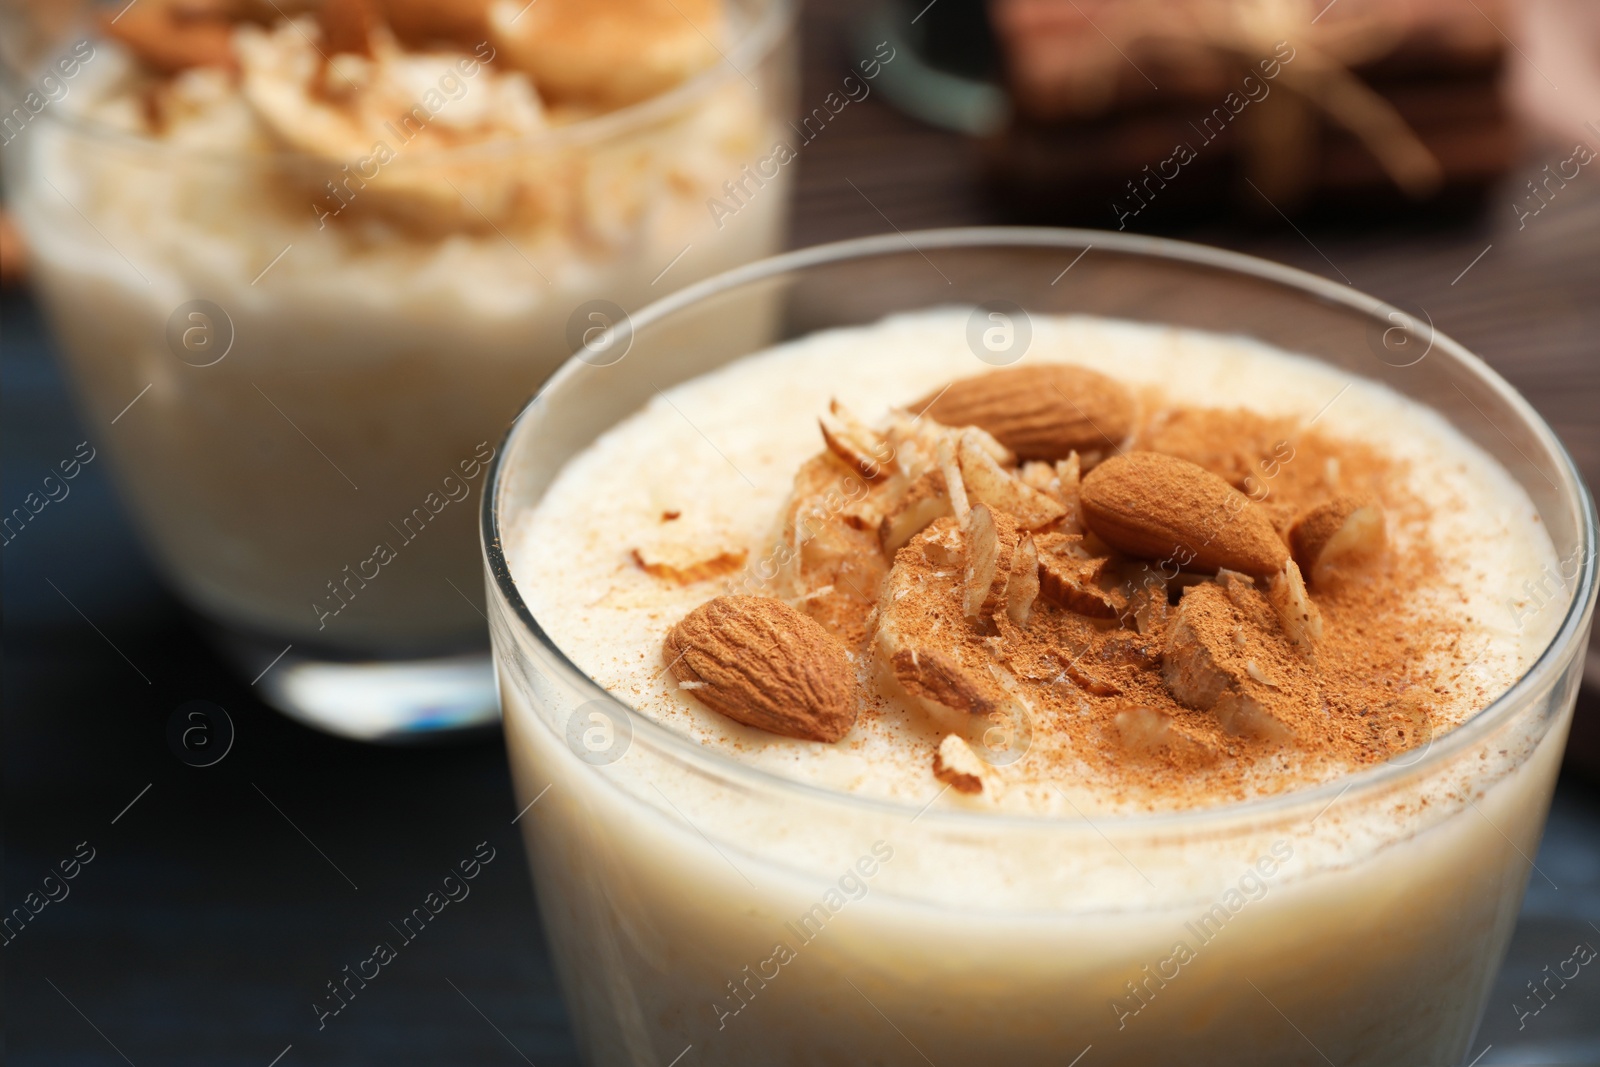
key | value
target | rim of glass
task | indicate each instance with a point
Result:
(1438, 750)
(752, 48)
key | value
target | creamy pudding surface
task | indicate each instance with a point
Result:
(1178, 570)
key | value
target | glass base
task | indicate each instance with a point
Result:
(387, 701)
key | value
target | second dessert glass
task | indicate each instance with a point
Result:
(696, 902)
(300, 407)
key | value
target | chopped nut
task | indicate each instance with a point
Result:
(956, 764)
(687, 564)
(1073, 582)
(926, 659)
(1040, 476)
(1146, 732)
(1335, 537)
(915, 442)
(1243, 716)
(1147, 600)
(936, 677)
(1205, 667)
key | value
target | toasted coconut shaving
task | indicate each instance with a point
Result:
(991, 541)
(988, 483)
(922, 502)
(865, 449)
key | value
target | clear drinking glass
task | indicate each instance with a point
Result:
(299, 407)
(694, 901)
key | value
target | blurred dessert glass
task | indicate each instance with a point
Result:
(305, 263)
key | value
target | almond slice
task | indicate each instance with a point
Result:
(855, 442)
(915, 442)
(1159, 507)
(1039, 411)
(988, 483)
(1301, 620)
(955, 485)
(936, 677)
(687, 564)
(766, 665)
(955, 764)
(1023, 587)
(991, 540)
(1337, 535)
(1069, 477)
(986, 441)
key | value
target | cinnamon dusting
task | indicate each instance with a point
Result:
(1172, 679)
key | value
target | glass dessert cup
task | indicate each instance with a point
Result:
(692, 900)
(299, 407)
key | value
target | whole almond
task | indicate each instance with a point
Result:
(1155, 506)
(1041, 411)
(762, 663)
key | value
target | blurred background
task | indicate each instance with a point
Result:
(1443, 155)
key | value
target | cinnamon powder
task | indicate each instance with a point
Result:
(1102, 695)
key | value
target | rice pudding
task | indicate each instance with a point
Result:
(1001, 630)
(330, 249)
